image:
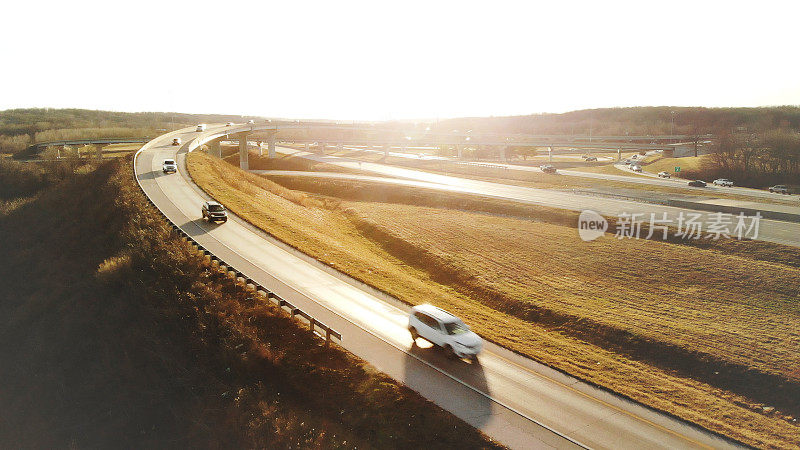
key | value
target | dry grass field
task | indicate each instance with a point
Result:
(679, 328)
(119, 150)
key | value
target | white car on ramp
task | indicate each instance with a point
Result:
(444, 330)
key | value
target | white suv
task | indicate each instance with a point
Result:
(444, 330)
(169, 166)
(723, 182)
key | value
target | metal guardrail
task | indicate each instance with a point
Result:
(324, 332)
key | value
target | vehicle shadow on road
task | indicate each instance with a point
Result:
(461, 397)
(197, 227)
(152, 175)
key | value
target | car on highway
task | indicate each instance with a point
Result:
(251, 121)
(697, 183)
(201, 127)
(636, 168)
(169, 166)
(591, 158)
(444, 330)
(547, 168)
(723, 182)
(779, 189)
(229, 124)
(664, 174)
(627, 162)
(176, 141)
(213, 212)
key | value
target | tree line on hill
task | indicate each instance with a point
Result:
(20, 128)
(753, 146)
(655, 120)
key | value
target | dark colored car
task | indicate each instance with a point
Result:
(213, 211)
(697, 183)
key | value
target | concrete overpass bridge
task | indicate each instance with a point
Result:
(269, 132)
(100, 142)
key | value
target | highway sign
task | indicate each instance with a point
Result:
(677, 168)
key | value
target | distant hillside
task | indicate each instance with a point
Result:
(22, 127)
(637, 120)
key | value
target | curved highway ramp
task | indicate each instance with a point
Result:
(516, 401)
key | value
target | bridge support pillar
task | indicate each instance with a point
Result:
(271, 146)
(243, 155)
(216, 150)
(619, 154)
(307, 150)
(459, 153)
(260, 149)
(550, 153)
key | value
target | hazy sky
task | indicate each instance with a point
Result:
(394, 60)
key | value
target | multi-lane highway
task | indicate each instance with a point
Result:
(515, 400)
(631, 177)
(786, 233)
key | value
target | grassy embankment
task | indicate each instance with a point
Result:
(691, 167)
(633, 316)
(113, 333)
